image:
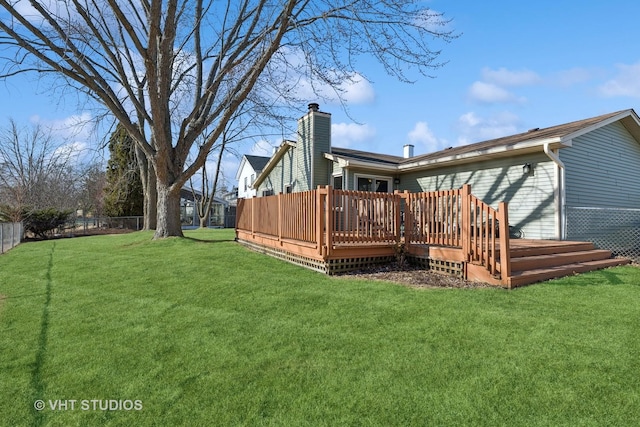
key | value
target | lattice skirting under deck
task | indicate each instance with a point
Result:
(451, 268)
(341, 265)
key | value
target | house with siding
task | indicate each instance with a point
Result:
(250, 168)
(556, 180)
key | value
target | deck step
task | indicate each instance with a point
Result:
(557, 259)
(561, 247)
(520, 278)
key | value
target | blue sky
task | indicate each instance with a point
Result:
(516, 66)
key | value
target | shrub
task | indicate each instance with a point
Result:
(42, 222)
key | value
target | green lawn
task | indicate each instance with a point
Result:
(201, 331)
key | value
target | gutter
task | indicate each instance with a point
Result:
(561, 219)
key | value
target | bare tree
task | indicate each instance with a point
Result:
(92, 184)
(243, 125)
(36, 170)
(173, 70)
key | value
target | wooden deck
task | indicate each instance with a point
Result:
(450, 232)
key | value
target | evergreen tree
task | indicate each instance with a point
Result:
(123, 192)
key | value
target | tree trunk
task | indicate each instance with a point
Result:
(204, 221)
(151, 201)
(168, 217)
(148, 178)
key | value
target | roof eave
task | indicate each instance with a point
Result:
(494, 152)
(241, 167)
(346, 163)
(280, 152)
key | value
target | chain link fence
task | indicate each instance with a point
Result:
(10, 235)
(614, 229)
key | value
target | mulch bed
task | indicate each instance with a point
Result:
(413, 277)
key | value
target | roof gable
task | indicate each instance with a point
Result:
(257, 162)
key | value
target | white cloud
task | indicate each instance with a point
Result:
(77, 126)
(492, 88)
(504, 77)
(261, 148)
(290, 66)
(570, 77)
(473, 128)
(423, 135)
(625, 83)
(491, 94)
(432, 21)
(358, 91)
(346, 134)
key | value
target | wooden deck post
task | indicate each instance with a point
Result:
(280, 218)
(398, 213)
(465, 196)
(505, 255)
(408, 221)
(330, 218)
(319, 219)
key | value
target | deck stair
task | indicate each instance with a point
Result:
(535, 261)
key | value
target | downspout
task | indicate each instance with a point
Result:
(561, 219)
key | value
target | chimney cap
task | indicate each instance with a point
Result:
(314, 106)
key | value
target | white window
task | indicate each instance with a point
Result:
(337, 182)
(378, 184)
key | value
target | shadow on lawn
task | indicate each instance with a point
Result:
(194, 239)
(36, 376)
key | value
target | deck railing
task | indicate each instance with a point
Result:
(364, 217)
(433, 218)
(326, 219)
(488, 236)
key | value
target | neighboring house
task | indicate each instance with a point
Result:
(231, 196)
(548, 176)
(250, 168)
(222, 214)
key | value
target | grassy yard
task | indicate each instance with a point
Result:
(201, 331)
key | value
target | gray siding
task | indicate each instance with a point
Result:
(321, 145)
(602, 169)
(281, 175)
(304, 167)
(532, 198)
(303, 154)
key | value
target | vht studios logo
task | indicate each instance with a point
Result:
(88, 405)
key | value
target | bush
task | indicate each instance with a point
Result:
(42, 222)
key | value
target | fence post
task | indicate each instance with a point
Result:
(465, 196)
(253, 227)
(1, 238)
(505, 255)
